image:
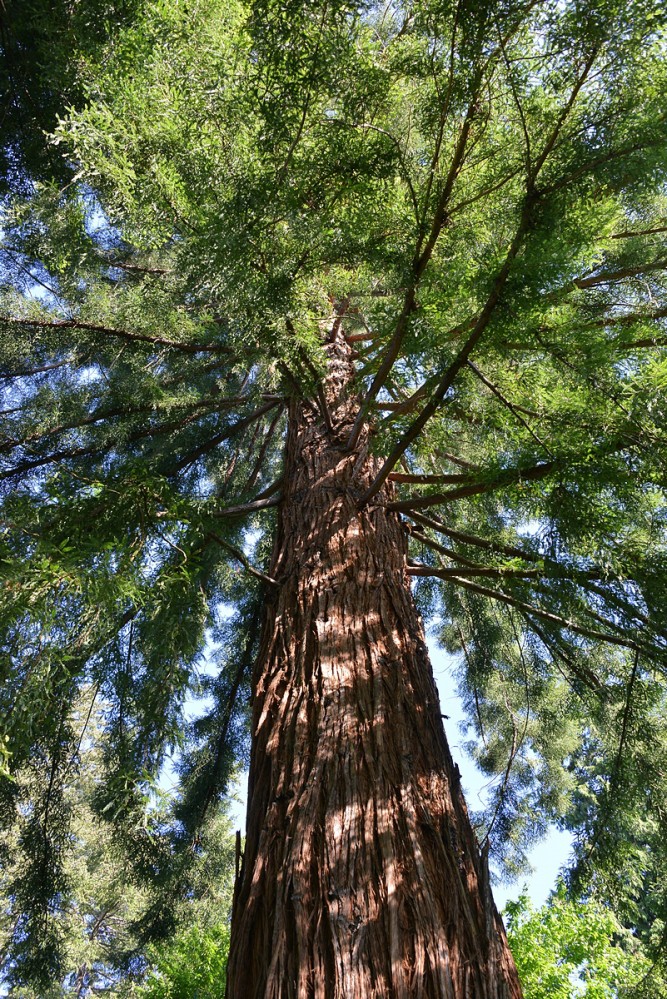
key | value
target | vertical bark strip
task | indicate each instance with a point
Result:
(361, 877)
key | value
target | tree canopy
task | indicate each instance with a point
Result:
(476, 192)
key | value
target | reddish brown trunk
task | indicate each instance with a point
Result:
(361, 877)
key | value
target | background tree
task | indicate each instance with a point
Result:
(570, 948)
(434, 231)
(97, 914)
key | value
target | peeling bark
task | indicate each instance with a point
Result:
(361, 877)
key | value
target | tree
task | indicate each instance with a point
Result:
(98, 917)
(577, 948)
(193, 964)
(342, 297)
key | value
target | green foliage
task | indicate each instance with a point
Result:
(41, 44)
(193, 965)
(569, 949)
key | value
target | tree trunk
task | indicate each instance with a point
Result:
(361, 877)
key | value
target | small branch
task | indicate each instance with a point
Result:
(461, 358)
(475, 542)
(496, 572)
(422, 258)
(618, 275)
(272, 489)
(99, 416)
(29, 372)
(441, 549)
(137, 268)
(93, 450)
(639, 232)
(514, 410)
(587, 676)
(455, 460)
(262, 451)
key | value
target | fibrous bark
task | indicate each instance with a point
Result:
(361, 877)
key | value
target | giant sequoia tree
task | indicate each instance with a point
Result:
(338, 306)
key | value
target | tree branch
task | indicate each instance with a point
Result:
(514, 410)
(213, 442)
(107, 446)
(561, 622)
(473, 541)
(251, 507)
(240, 557)
(459, 361)
(422, 257)
(506, 478)
(75, 324)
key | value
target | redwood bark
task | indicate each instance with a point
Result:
(361, 877)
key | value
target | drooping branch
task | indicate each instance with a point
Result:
(240, 557)
(194, 816)
(213, 442)
(555, 619)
